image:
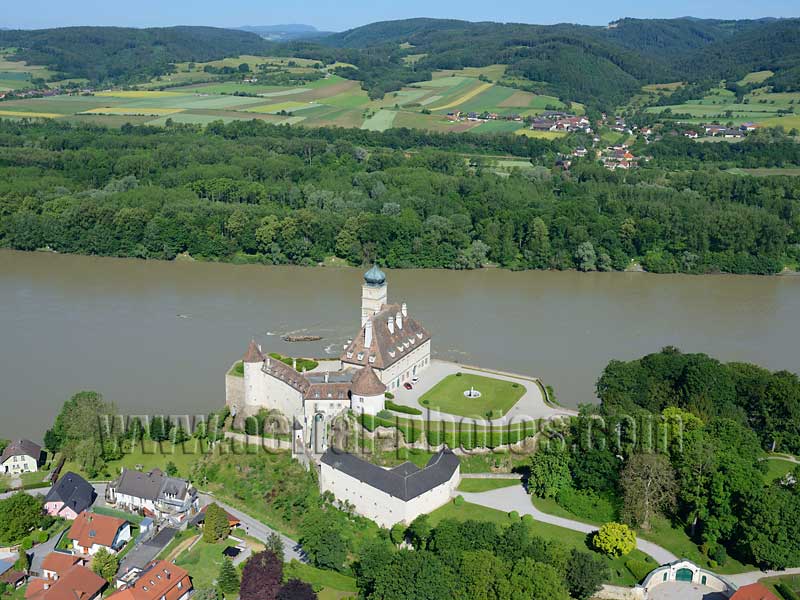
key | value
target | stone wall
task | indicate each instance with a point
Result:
(234, 393)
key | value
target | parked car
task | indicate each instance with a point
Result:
(408, 386)
(414, 380)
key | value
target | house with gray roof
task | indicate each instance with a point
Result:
(69, 497)
(390, 496)
(20, 456)
(154, 494)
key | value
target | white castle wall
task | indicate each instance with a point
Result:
(384, 509)
(369, 405)
(404, 369)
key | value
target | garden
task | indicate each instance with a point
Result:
(497, 396)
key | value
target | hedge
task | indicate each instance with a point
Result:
(787, 592)
(409, 410)
(639, 568)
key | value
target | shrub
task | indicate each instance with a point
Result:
(409, 410)
(514, 385)
(513, 515)
(718, 553)
(458, 374)
(527, 519)
(40, 537)
(586, 504)
(639, 568)
(389, 395)
(787, 592)
(614, 539)
(384, 414)
(458, 500)
(27, 543)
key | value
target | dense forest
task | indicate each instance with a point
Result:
(253, 192)
(599, 66)
(698, 431)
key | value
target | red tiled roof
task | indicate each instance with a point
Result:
(59, 562)
(90, 528)
(79, 583)
(366, 383)
(253, 354)
(387, 346)
(158, 579)
(754, 591)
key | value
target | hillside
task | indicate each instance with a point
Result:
(286, 33)
(597, 65)
(121, 54)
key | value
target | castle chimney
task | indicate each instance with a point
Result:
(368, 334)
(326, 376)
(269, 360)
(294, 364)
(404, 309)
(390, 323)
(399, 318)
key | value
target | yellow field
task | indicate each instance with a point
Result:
(30, 115)
(788, 122)
(274, 108)
(139, 94)
(668, 87)
(544, 135)
(132, 112)
(466, 97)
(756, 77)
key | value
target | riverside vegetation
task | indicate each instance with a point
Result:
(250, 192)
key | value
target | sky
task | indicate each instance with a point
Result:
(338, 15)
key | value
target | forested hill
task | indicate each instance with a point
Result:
(596, 65)
(122, 54)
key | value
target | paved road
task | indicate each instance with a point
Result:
(516, 498)
(530, 407)
(258, 530)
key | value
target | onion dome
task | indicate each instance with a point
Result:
(375, 276)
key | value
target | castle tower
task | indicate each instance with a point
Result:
(373, 293)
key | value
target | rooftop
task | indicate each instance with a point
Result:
(90, 528)
(405, 482)
(21, 448)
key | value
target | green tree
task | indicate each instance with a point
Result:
(419, 531)
(585, 574)
(649, 488)
(228, 578)
(614, 539)
(549, 472)
(19, 514)
(275, 545)
(105, 564)
(216, 527)
(586, 257)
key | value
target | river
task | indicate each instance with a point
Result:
(157, 337)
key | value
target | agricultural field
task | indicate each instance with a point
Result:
(16, 75)
(328, 101)
(761, 106)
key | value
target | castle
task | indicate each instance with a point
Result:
(389, 349)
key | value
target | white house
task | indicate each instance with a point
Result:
(20, 456)
(90, 532)
(154, 494)
(389, 496)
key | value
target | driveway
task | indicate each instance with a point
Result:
(42, 550)
(255, 528)
(530, 407)
(678, 590)
(516, 498)
(143, 553)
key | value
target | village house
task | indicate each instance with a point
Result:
(390, 496)
(199, 519)
(159, 580)
(69, 497)
(20, 456)
(76, 583)
(90, 532)
(154, 494)
(580, 152)
(56, 564)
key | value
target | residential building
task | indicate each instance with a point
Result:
(77, 583)
(69, 497)
(154, 494)
(20, 456)
(56, 564)
(90, 532)
(390, 496)
(159, 580)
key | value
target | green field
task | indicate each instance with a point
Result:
(497, 395)
(380, 121)
(484, 485)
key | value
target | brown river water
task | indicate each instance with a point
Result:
(157, 337)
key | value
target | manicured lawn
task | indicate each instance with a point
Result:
(790, 581)
(497, 395)
(203, 562)
(110, 512)
(571, 539)
(662, 532)
(777, 468)
(484, 485)
(331, 585)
